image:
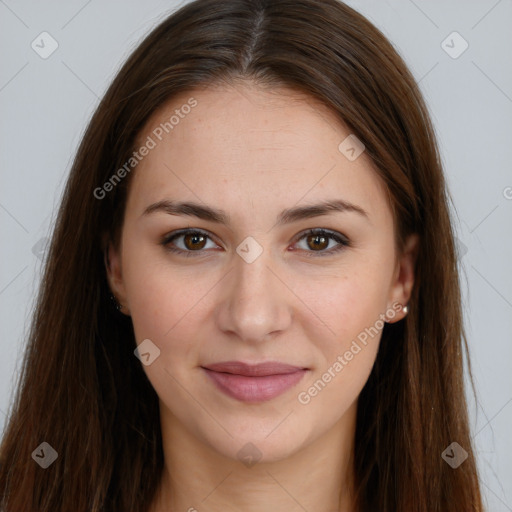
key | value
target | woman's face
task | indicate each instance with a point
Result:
(249, 285)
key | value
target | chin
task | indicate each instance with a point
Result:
(265, 443)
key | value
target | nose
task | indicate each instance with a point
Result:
(256, 302)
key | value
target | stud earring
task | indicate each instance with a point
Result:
(116, 303)
(405, 309)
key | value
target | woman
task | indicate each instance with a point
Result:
(251, 300)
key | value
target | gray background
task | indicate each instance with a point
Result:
(46, 103)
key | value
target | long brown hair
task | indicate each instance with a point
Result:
(81, 389)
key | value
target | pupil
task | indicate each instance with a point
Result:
(195, 238)
(319, 237)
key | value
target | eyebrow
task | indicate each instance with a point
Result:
(287, 216)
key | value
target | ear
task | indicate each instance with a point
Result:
(115, 276)
(403, 279)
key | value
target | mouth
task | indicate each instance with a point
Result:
(254, 383)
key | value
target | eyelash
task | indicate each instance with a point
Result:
(342, 241)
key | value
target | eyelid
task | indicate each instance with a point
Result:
(342, 240)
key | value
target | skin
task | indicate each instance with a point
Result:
(253, 153)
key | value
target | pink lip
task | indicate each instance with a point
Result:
(254, 383)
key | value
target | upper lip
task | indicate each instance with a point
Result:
(253, 370)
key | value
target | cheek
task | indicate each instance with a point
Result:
(167, 302)
(351, 304)
(344, 303)
(353, 308)
(157, 296)
(166, 312)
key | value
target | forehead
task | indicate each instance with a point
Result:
(254, 145)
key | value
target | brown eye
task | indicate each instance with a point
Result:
(188, 242)
(194, 241)
(317, 241)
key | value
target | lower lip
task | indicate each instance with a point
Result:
(254, 389)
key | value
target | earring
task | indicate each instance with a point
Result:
(405, 309)
(115, 302)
